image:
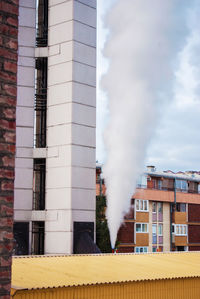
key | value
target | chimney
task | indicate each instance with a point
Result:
(151, 168)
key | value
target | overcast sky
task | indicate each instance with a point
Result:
(176, 142)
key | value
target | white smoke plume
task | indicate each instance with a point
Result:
(145, 39)
(187, 85)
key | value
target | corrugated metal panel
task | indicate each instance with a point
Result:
(188, 288)
(44, 272)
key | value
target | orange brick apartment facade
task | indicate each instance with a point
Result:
(164, 213)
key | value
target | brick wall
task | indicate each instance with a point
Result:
(193, 213)
(125, 249)
(8, 92)
(193, 233)
(126, 233)
(194, 248)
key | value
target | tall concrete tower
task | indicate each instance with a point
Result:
(56, 119)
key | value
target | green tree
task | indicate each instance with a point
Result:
(102, 232)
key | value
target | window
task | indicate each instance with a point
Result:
(160, 207)
(180, 229)
(42, 23)
(39, 174)
(21, 238)
(40, 106)
(141, 227)
(154, 233)
(82, 231)
(181, 207)
(177, 230)
(159, 249)
(137, 205)
(154, 207)
(141, 249)
(198, 188)
(159, 184)
(154, 228)
(160, 229)
(38, 237)
(142, 181)
(182, 185)
(142, 205)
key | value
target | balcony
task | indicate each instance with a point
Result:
(142, 239)
(142, 216)
(162, 188)
(179, 217)
(180, 240)
(166, 196)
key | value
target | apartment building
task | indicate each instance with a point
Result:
(164, 213)
(54, 200)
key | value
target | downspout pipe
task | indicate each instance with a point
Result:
(171, 209)
(171, 213)
(175, 191)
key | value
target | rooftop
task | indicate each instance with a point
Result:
(188, 175)
(36, 272)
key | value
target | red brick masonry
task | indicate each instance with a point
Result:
(8, 94)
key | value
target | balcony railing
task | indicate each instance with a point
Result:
(40, 105)
(40, 125)
(38, 201)
(39, 184)
(37, 238)
(42, 37)
(139, 186)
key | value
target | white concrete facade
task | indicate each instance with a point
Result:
(71, 120)
(23, 193)
(70, 180)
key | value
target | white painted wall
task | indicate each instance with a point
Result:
(25, 113)
(71, 120)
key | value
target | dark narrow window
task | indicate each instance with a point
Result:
(37, 237)
(42, 23)
(39, 184)
(40, 102)
(84, 237)
(21, 238)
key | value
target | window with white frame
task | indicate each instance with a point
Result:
(142, 181)
(141, 227)
(160, 229)
(142, 205)
(154, 207)
(179, 229)
(154, 229)
(141, 249)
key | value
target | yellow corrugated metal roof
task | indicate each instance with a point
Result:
(58, 271)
